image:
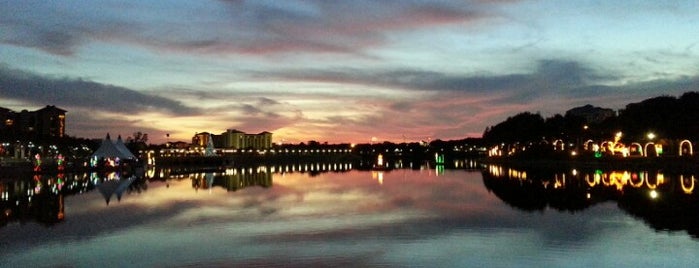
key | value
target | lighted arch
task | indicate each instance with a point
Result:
(645, 149)
(556, 143)
(689, 144)
(620, 148)
(638, 147)
(587, 145)
(607, 146)
(687, 189)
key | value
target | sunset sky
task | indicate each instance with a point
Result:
(337, 71)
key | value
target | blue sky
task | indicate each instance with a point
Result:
(337, 71)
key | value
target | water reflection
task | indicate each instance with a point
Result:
(112, 184)
(41, 196)
(665, 201)
(230, 182)
(344, 217)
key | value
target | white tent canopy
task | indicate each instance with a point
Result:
(110, 149)
(122, 148)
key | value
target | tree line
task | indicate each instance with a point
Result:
(668, 117)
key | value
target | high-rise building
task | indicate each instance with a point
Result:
(234, 139)
(49, 121)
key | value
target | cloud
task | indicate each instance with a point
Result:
(85, 123)
(549, 78)
(55, 28)
(68, 92)
(267, 101)
(230, 27)
(549, 74)
(452, 106)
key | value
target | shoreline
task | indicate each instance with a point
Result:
(681, 164)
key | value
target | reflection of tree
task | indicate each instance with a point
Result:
(525, 196)
(538, 192)
(664, 204)
(671, 211)
(140, 182)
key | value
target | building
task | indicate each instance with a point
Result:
(591, 114)
(201, 139)
(49, 121)
(234, 139)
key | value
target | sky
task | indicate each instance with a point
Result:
(337, 71)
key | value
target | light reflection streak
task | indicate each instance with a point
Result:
(617, 180)
(687, 189)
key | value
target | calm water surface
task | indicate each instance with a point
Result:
(404, 217)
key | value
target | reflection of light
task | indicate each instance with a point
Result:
(595, 179)
(659, 179)
(439, 169)
(635, 177)
(653, 194)
(687, 189)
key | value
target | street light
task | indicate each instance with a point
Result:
(651, 135)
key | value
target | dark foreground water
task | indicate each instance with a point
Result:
(282, 217)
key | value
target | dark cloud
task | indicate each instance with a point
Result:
(550, 75)
(563, 78)
(267, 101)
(55, 28)
(239, 27)
(264, 121)
(67, 92)
(83, 123)
(250, 109)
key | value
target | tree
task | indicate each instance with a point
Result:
(138, 137)
(139, 141)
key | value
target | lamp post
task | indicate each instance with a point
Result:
(651, 136)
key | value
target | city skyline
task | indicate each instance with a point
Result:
(337, 71)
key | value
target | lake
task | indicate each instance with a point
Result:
(321, 215)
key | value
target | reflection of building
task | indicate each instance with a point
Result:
(239, 181)
(35, 198)
(234, 139)
(232, 182)
(46, 122)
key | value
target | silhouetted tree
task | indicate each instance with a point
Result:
(523, 127)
